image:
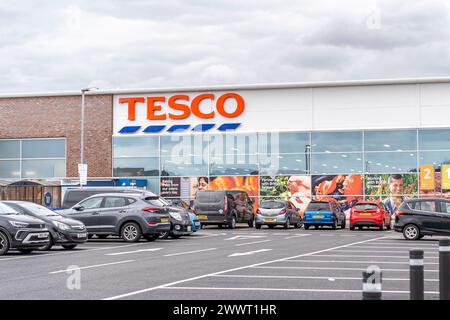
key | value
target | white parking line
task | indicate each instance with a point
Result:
(377, 251)
(330, 268)
(239, 254)
(404, 243)
(399, 247)
(363, 256)
(94, 266)
(135, 251)
(283, 289)
(298, 235)
(330, 278)
(247, 243)
(358, 261)
(188, 252)
(233, 269)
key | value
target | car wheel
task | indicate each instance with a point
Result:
(232, 224)
(306, 227)
(164, 235)
(287, 225)
(298, 225)
(411, 232)
(152, 237)
(383, 226)
(257, 226)
(25, 251)
(4, 244)
(131, 232)
(69, 246)
(102, 236)
(48, 246)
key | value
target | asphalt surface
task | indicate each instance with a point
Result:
(222, 264)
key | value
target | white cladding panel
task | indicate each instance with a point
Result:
(319, 108)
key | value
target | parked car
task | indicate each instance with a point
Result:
(20, 232)
(196, 225)
(72, 196)
(370, 214)
(63, 231)
(417, 218)
(277, 212)
(223, 207)
(128, 215)
(323, 213)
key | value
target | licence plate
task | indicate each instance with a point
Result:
(202, 217)
(82, 235)
(42, 235)
(189, 228)
(319, 216)
(365, 214)
(164, 219)
(269, 220)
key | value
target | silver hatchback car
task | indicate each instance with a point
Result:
(277, 212)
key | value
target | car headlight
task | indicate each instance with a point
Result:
(61, 226)
(176, 216)
(18, 224)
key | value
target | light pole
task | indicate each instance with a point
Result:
(83, 91)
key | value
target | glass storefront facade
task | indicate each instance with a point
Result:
(346, 164)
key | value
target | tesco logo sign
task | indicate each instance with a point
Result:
(181, 106)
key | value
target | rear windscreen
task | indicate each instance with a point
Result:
(209, 196)
(366, 206)
(318, 206)
(272, 205)
(155, 201)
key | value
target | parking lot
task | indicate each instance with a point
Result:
(213, 263)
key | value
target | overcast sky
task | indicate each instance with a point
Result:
(67, 45)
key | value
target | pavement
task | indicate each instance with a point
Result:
(222, 264)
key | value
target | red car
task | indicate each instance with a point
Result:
(370, 214)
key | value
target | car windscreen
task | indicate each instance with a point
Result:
(4, 210)
(318, 206)
(366, 206)
(272, 205)
(156, 201)
(36, 209)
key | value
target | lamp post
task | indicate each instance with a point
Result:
(83, 91)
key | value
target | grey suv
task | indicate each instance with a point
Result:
(20, 232)
(128, 215)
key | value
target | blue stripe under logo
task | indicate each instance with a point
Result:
(179, 128)
(129, 129)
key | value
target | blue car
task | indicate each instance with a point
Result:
(196, 225)
(323, 213)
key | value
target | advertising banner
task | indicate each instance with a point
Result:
(250, 184)
(445, 177)
(426, 177)
(171, 187)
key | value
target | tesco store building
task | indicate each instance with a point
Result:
(376, 139)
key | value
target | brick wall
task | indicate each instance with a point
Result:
(51, 117)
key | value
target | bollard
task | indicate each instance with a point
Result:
(444, 269)
(416, 278)
(372, 284)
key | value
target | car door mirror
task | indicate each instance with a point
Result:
(78, 208)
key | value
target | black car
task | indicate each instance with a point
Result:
(20, 232)
(180, 222)
(128, 215)
(63, 231)
(223, 207)
(416, 218)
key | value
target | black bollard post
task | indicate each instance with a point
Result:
(371, 285)
(444, 269)
(416, 278)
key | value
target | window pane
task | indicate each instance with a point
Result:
(234, 144)
(114, 202)
(93, 203)
(9, 169)
(43, 168)
(234, 169)
(336, 141)
(390, 140)
(284, 164)
(49, 148)
(184, 145)
(327, 163)
(9, 149)
(135, 146)
(183, 166)
(434, 139)
(437, 158)
(283, 142)
(445, 207)
(128, 167)
(385, 162)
